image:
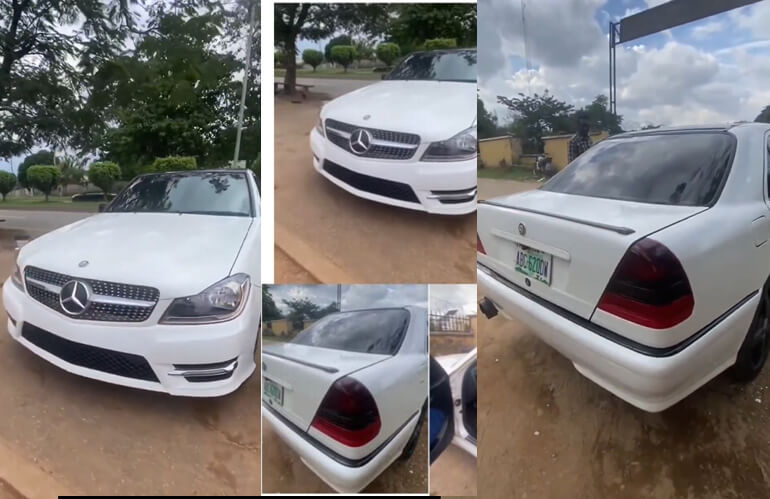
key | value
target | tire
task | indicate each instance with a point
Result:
(411, 444)
(754, 350)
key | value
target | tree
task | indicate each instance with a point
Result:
(343, 55)
(103, 175)
(337, 40)
(764, 116)
(312, 58)
(388, 53)
(536, 116)
(416, 23)
(364, 50)
(487, 123)
(270, 310)
(44, 66)
(71, 171)
(301, 309)
(174, 163)
(652, 126)
(37, 158)
(440, 43)
(7, 183)
(600, 116)
(43, 178)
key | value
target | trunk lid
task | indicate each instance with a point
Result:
(304, 374)
(586, 236)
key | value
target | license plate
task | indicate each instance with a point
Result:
(534, 263)
(273, 391)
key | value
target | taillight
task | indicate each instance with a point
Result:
(649, 287)
(348, 414)
(479, 246)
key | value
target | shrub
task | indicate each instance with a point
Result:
(337, 40)
(103, 175)
(174, 163)
(343, 55)
(7, 183)
(43, 178)
(388, 53)
(92, 196)
(441, 43)
(312, 57)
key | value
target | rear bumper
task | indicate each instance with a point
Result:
(342, 478)
(443, 188)
(207, 360)
(649, 382)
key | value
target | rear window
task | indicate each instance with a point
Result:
(687, 169)
(362, 331)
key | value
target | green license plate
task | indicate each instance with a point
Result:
(534, 263)
(273, 391)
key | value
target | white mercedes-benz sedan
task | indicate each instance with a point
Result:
(349, 393)
(408, 141)
(645, 261)
(159, 292)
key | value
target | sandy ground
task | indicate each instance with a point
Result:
(95, 438)
(491, 188)
(545, 431)
(454, 473)
(284, 472)
(290, 271)
(373, 243)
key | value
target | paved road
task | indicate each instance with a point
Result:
(35, 223)
(333, 88)
(371, 242)
(546, 431)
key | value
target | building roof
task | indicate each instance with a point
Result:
(509, 136)
(570, 135)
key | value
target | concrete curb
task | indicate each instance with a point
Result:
(27, 479)
(321, 268)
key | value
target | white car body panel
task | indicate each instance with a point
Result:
(434, 110)
(180, 255)
(398, 384)
(722, 249)
(456, 365)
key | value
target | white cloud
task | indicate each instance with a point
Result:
(708, 29)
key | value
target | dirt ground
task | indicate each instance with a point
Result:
(290, 270)
(454, 473)
(545, 431)
(284, 472)
(492, 188)
(96, 438)
(371, 242)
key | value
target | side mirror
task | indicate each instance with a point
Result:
(102, 207)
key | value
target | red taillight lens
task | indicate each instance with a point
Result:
(649, 287)
(479, 246)
(348, 414)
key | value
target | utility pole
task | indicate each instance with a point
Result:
(239, 130)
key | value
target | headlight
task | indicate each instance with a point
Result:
(16, 278)
(320, 126)
(460, 147)
(221, 302)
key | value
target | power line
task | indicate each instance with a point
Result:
(526, 51)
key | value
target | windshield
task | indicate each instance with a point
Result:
(686, 169)
(202, 193)
(364, 331)
(438, 66)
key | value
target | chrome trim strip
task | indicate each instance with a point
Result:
(110, 300)
(204, 373)
(375, 142)
(40, 284)
(614, 228)
(461, 195)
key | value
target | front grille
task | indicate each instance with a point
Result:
(376, 151)
(122, 364)
(373, 185)
(96, 311)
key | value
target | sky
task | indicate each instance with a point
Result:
(355, 296)
(713, 70)
(445, 297)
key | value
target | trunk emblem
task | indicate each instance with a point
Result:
(522, 229)
(82, 264)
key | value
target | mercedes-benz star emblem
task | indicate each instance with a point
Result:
(522, 229)
(84, 263)
(74, 297)
(360, 141)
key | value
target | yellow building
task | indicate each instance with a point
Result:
(497, 151)
(557, 146)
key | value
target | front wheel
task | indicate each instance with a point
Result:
(411, 445)
(753, 352)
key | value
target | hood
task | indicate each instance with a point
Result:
(435, 110)
(181, 255)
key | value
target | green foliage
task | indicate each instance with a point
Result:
(270, 310)
(364, 50)
(174, 163)
(37, 158)
(43, 178)
(440, 43)
(280, 58)
(487, 123)
(312, 57)
(7, 183)
(764, 116)
(71, 171)
(600, 116)
(417, 23)
(388, 53)
(103, 175)
(343, 55)
(334, 42)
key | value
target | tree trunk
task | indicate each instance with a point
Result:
(290, 80)
(46, 197)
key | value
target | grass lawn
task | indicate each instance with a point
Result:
(54, 203)
(337, 74)
(516, 173)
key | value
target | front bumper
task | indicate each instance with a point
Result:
(651, 383)
(342, 478)
(443, 188)
(176, 354)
